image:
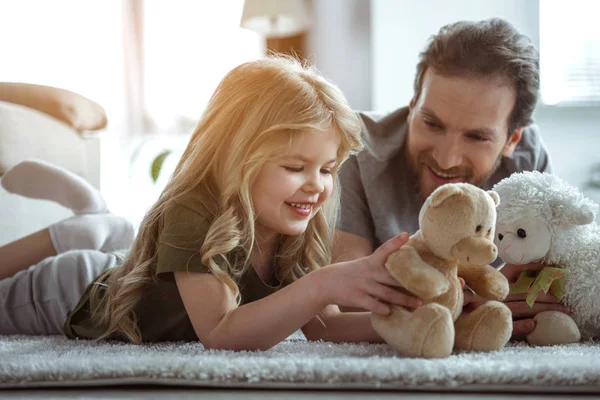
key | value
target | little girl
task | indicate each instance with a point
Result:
(231, 253)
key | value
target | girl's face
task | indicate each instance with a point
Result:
(290, 189)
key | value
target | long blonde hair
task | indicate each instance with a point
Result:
(257, 110)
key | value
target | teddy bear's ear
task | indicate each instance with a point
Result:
(444, 192)
(494, 197)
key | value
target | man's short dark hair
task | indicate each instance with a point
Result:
(489, 48)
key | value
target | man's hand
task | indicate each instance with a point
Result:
(523, 322)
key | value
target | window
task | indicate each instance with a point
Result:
(72, 44)
(570, 52)
(188, 48)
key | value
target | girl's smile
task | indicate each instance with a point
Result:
(302, 209)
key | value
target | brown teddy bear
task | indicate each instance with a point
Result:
(455, 238)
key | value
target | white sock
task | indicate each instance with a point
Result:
(40, 180)
(104, 232)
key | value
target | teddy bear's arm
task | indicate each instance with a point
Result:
(485, 280)
(417, 276)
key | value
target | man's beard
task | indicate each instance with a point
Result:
(419, 163)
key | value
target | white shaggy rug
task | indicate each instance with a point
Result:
(27, 361)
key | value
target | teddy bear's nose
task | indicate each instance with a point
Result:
(500, 236)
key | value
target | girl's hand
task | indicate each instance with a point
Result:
(366, 283)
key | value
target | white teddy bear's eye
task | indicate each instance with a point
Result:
(478, 228)
(521, 233)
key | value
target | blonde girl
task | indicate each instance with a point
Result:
(233, 253)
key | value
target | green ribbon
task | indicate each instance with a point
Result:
(549, 279)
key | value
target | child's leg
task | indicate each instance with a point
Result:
(40, 180)
(36, 301)
(25, 252)
(104, 232)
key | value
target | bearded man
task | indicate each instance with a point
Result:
(470, 120)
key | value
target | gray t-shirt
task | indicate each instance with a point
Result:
(379, 198)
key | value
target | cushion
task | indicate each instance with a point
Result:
(79, 112)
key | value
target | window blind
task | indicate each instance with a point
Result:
(570, 52)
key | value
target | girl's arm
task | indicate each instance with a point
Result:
(220, 323)
(336, 326)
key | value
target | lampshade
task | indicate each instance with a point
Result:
(275, 18)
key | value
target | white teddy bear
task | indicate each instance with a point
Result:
(541, 218)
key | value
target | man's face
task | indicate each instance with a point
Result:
(458, 130)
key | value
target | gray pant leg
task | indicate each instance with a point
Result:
(36, 301)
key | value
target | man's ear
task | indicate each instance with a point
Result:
(513, 141)
(412, 103)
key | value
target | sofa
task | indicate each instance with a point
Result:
(50, 124)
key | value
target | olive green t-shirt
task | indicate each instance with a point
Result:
(161, 315)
